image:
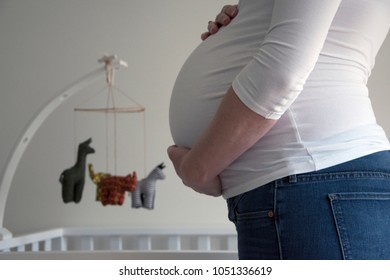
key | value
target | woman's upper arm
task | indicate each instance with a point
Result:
(276, 74)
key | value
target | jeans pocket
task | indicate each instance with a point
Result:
(363, 224)
(232, 204)
(256, 200)
(246, 207)
(257, 235)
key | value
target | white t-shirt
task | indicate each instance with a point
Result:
(303, 62)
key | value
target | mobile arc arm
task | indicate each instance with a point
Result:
(111, 62)
(25, 139)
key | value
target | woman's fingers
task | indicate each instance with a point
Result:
(226, 15)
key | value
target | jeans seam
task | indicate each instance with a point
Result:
(336, 176)
(276, 222)
(336, 219)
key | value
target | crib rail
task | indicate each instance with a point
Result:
(104, 242)
(40, 241)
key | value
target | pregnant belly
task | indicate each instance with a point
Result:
(210, 70)
(201, 84)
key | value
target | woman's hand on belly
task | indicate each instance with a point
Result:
(226, 15)
(234, 129)
(178, 158)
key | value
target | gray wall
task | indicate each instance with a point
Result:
(45, 45)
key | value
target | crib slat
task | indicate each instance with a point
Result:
(145, 243)
(35, 246)
(58, 244)
(47, 245)
(87, 243)
(63, 244)
(174, 243)
(204, 243)
(116, 243)
(21, 248)
(232, 243)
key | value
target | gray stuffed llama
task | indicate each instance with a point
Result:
(144, 194)
(73, 178)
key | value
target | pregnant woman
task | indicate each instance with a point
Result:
(273, 113)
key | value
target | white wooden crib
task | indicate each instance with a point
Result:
(123, 243)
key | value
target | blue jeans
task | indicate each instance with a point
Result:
(342, 212)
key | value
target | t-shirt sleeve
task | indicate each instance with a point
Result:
(275, 76)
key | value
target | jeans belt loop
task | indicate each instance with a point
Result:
(292, 179)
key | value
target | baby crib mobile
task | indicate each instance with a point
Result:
(110, 189)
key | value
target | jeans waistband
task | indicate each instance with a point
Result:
(376, 165)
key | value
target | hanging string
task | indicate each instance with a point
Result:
(111, 108)
(111, 102)
(144, 140)
(106, 135)
(75, 145)
(110, 76)
(137, 108)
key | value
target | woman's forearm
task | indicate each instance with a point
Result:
(234, 129)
